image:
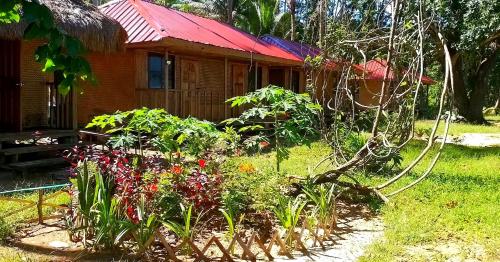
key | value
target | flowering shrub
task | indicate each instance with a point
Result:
(131, 175)
(200, 186)
(247, 168)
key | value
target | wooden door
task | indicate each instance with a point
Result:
(189, 85)
(60, 107)
(10, 86)
(239, 82)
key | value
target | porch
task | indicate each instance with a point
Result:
(200, 103)
(36, 121)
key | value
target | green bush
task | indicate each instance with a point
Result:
(156, 129)
(294, 119)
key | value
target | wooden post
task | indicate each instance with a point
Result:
(226, 85)
(166, 71)
(256, 75)
(39, 206)
(74, 110)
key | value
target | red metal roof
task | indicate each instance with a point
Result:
(375, 69)
(146, 22)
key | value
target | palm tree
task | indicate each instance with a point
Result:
(222, 10)
(261, 17)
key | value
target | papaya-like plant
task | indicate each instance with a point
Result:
(293, 117)
(158, 130)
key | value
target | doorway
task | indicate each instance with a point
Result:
(10, 86)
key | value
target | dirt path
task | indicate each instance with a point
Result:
(474, 140)
(357, 230)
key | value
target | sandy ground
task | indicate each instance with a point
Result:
(473, 140)
(479, 140)
(357, 232)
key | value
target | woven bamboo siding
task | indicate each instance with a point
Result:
(199, 88)
(265, 76)
(34, 92)
(212, 85)
(369, 95)
(114, 91)
(324, 83)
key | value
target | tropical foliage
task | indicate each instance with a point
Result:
(293, 118)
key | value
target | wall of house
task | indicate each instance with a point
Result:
(34, 91)
(115, 88)
(369, 93)
(199, 87)
(324, 83)
(199, 84)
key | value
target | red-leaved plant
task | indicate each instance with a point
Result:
(132, 175)
(200, 186)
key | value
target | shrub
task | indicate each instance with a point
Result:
(156, 129)
(199, 186)
(294, 117)
(246, 187)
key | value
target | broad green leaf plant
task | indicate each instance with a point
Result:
(155, 128)
(61, 51)
(293, 118)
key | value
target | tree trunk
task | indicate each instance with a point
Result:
(470, 104)
(322, 22)
(460, 98)
(230, 9)
(292, 7)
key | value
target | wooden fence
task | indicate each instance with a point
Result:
(39, 203)
(251, 248)
(207, 104)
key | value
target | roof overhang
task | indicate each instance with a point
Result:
(180, 45)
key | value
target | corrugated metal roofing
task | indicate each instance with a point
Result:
(300, 50)
(375, 69)
(146, 22)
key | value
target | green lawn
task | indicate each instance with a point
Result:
(459, 202)
(12, 223)
(457, 129)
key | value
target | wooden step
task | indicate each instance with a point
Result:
(23, 167)
(7, 137)
(33, 149)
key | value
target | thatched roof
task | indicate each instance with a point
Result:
(81, 20)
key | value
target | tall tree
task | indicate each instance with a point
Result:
(262, 17)
(472, 29)
(292, 4)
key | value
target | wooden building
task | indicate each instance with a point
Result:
(28, 97)
(368, 85)
(184, 63)
(322, 79)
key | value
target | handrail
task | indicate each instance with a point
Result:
(34, 189)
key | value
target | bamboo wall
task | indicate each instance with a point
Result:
(114, 90)
(34, 90)
(369, 93)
